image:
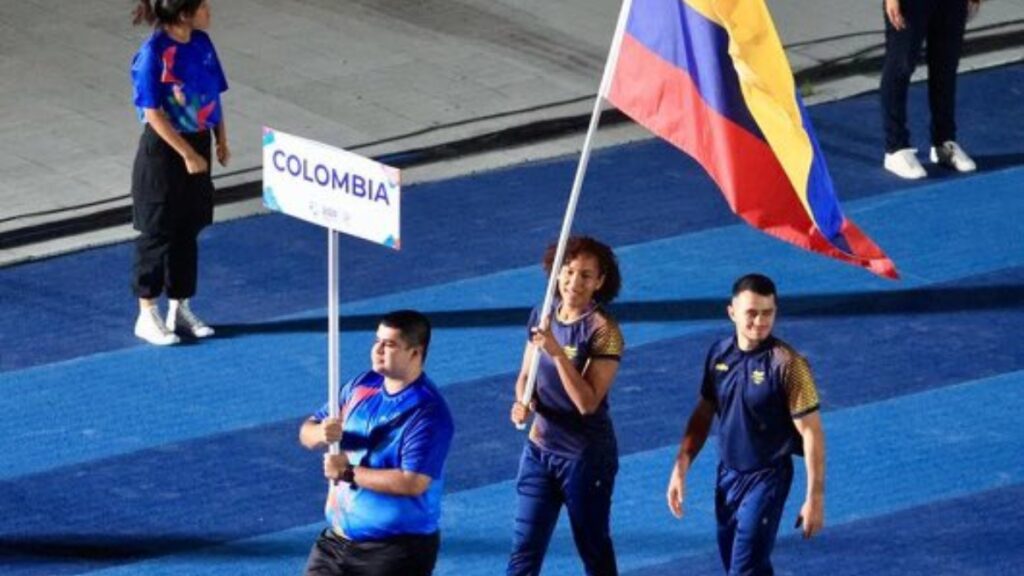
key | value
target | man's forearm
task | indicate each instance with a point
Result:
(697, 430)
(814, 455)
(689, 448)
(309, 435)
(391, 481)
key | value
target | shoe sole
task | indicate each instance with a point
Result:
(189, 333)
(155, 343)
(907, 176)
(949, 164)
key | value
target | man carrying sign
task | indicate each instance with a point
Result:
(395, 430)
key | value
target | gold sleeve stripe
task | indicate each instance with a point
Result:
(607, 341)
(800, 388)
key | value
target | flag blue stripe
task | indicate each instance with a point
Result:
(687, 40)
(821, 193)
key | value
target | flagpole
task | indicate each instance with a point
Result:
(577, 185)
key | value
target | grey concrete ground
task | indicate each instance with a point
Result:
(403, 74)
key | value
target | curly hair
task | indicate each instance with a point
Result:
(606, 261)
(163, 12)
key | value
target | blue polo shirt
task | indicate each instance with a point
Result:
(412, 431)
(184, 80)
(757, 395)
(559, 427)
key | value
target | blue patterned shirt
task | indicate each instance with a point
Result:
(184, 80)
(411, 431)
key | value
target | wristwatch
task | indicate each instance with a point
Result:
(348, 475)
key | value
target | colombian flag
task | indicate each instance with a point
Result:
(711, 77)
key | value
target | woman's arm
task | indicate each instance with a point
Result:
(520, 411)
(221, 133)
(194, 162)
(586, 389)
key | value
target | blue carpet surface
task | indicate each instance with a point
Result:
(125, 459)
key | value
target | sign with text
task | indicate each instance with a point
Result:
(331, 187)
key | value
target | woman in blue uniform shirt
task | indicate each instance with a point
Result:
(571, 456)
(177, 81)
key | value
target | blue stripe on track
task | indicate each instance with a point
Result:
(153, 497)
(188, 507)
(884, 458)
(259, 268)
(120, 495)
(269, 372)
(976, 535)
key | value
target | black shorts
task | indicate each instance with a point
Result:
(409, 555)
(166, 199)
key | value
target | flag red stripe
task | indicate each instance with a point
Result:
(665, 99)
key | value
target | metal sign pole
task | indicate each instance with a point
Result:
(333, 340)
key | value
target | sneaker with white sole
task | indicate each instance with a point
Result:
(904, 164)
(950, 154)
(181, 319)
(150, 327)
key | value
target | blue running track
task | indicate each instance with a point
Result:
(123, 459)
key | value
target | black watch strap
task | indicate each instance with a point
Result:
(348, 474)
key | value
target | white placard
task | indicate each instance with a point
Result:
(331, 187)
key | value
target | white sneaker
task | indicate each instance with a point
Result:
(181, 319)
(150, 327)
(904, 164)
(952, 155)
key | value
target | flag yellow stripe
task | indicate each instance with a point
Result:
(767, 84)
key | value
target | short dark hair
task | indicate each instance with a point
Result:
(606, 261)
(413, 325)
(163, 12)
(756, 283)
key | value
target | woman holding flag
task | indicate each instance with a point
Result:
(571, 456)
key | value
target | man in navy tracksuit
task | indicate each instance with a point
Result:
(766, 402)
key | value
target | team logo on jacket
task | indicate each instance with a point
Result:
(757, 376)
(570, 352)
(721, 367)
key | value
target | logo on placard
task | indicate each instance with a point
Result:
(269, 200)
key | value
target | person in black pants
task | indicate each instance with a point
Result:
(940, 25)
(177, 81)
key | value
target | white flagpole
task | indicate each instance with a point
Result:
(577, 185)
(333, 343)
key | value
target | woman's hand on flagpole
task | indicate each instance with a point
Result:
(520, 413)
